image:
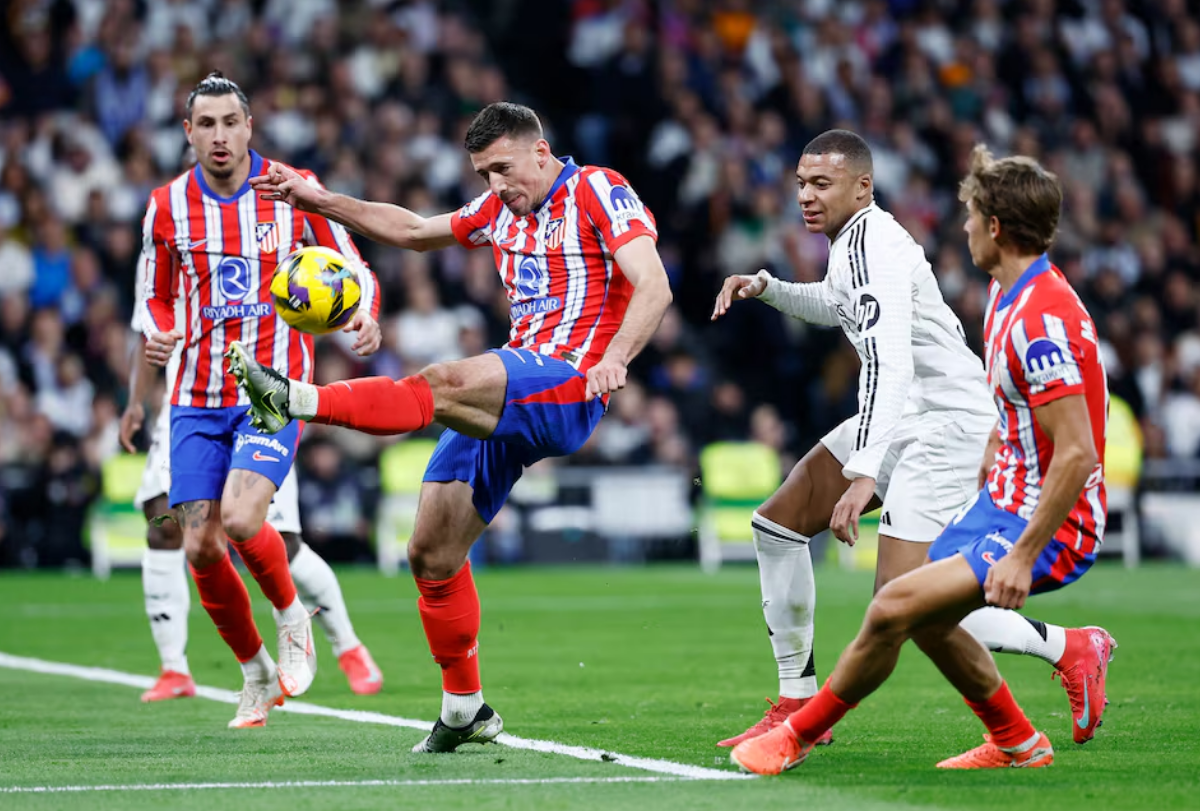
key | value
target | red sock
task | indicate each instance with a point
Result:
(376, 405)
(1003, 718)
(224, 597)
(450, 613)
(266, 557)
(819, 715)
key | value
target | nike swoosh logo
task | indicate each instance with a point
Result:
(259, 456)
(197, 244)
(1083, 722)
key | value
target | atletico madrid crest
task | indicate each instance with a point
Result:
(267, 236)
(554, 234)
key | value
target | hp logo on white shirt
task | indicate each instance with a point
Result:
(866, 314)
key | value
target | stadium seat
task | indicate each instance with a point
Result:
(401, 468)
(1122, 471)
(116, 528)
(735, 478)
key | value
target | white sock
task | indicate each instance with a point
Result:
(302, 400)
(458, 710)
(293, 614)
(319, 587)
(1006, 631)
(164, 584)
(261, 668)
(789, 597)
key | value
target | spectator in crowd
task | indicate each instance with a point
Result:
(707, 104)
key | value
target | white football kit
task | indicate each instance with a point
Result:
(284, 512)
(925, 411)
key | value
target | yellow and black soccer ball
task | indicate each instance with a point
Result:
(316, 290)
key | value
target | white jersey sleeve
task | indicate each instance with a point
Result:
(808, 301)
(881, 304)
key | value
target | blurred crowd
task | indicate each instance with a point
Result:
(703, 105)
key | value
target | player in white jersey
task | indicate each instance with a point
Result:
(164, 582)
(916, 446)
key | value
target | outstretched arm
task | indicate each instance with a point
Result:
(382, 222)
(640, 263)
(809, 302)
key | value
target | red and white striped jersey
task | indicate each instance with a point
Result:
(567, 294)
(218, 255)
(1041, 345)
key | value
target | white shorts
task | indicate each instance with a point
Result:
(283, 514)
(930, 471)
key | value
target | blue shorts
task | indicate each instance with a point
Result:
(544, 414)
(206, 443)
(983, 533)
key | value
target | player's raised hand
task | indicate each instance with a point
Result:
(131, 423)
(286, 184)
(848, 510)
(605, 377)
(737, 287)
(161, 345)
(370, 336)
(1008, 582)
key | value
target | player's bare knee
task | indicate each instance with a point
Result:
(888, 616)
(240, 521)
(203, 549)
(791, 507)
(446, 381)
(430, 560)
(164, 535)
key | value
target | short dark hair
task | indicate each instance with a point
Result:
(1023, 196)
(497, 120)
(843, 142)
(215, 84)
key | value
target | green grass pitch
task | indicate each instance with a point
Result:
(657, 662)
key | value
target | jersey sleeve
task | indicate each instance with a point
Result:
(1049, 351)
(811, 302)
(881, 278)
(614, 208)
(472, 224)
(329, 234)
(157, 279)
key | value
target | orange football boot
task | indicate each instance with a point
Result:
(1083, 669)
(990, 756)
(171, 684)
(775, 715)
(773, 753)
(361, 671)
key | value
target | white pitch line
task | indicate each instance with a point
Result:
(513, 781)
(99, 674)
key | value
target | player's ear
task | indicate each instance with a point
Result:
(187, 130)
(541, 151)
(866, 187)
(994, 227)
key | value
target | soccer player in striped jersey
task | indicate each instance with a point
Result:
(925, 416)
(164, 580)
(576, 251)
(1038, 520)
(209, 239)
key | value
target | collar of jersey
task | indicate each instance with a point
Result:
(569, 168)
(256, 163)
(1039, 266)
(858, 215)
